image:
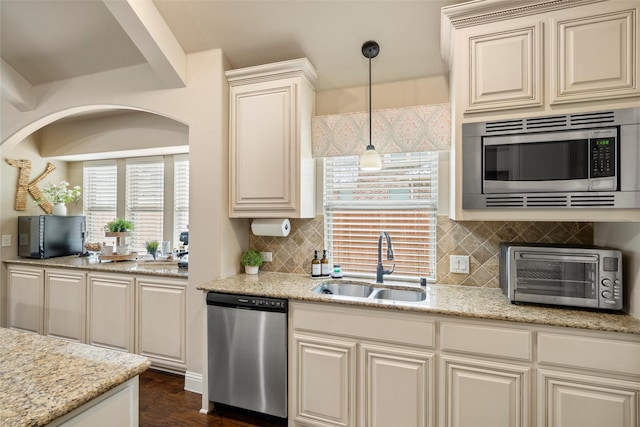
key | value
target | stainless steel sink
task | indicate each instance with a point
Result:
(344, 289)
(363, 290)
(400, 295)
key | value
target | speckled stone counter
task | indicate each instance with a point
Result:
(43, 378)
(153, 268)
(484, 303)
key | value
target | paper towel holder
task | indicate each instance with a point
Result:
(278, 227)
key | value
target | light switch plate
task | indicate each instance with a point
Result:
(6, 240)
(459, 264)
(267, 256)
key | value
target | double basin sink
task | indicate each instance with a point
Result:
(364, 290)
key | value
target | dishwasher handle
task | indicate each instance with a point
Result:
(247, 302)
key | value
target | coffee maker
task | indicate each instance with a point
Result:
(183, 252)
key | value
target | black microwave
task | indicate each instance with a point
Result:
(579, 160)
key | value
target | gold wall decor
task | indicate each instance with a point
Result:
(25, 186)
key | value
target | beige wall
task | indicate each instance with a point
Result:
(127, 134)
(425, 91)
(216, 241)
(625, 237)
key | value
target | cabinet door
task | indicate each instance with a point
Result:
(572, 400)
(325, 384)
(64, 305)
(26, 299)
(594, 56)
(479, 393)
(264, 148)
(505, 69)
(384, 372)
(110, 312)
(162, 316)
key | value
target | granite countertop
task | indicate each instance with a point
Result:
(153, 268)
(44, 378)
(463, 301)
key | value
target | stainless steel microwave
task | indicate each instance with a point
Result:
(583, 160)
(577, 276)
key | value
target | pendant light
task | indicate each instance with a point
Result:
(370, 159)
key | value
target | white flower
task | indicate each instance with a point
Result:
(61, 193)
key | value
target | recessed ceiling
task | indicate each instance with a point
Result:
(48, 40)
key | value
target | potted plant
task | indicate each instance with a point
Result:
(152, 247)
(118, 225)
(252, 260)
(59, 195)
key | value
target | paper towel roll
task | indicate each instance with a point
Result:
(279, 227)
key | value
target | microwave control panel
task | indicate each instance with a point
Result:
(603, 157)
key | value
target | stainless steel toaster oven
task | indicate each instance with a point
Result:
(577, 276)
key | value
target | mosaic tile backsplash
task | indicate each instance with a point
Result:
(478, 239)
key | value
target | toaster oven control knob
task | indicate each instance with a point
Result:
(607, 294)
(606, 282)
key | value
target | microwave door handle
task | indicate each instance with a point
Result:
(558, 257)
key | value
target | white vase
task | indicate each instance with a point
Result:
(59, 209)
(251, 269)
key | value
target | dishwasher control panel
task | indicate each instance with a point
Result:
(246, 302)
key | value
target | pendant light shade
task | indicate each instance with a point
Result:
(370, 160)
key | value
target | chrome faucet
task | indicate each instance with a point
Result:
(380, 271)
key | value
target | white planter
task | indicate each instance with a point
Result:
(123, 250)
(251, 269)
(59, 209)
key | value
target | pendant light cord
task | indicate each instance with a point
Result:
(370, 132)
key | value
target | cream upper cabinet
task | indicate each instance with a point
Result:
(64, 304)
(499, 56)
(25, 297)
(505, 68)
(594, 53)
(161, 321)
(272, 172)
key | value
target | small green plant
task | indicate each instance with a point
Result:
(252, 258)
(119, 225)
(152, 246)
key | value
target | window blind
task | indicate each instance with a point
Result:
(145, 199)
(400, 199)
(180, 196)
(100, 196)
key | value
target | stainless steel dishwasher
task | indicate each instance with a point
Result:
(247, 352)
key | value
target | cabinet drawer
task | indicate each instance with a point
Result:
(486, 340)
(587, 352)
(379, 325)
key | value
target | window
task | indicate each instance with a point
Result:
(100, 196)
(400, 199)
(180, 196)
(145, 200)
(152, 192)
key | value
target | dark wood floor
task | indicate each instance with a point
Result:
(164, 402)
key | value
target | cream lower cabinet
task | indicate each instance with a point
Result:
(586, 381)
(161, 316)
(485, 375)
(339, 376)
(479, 393)
(64, 304)
(110, 311)
(325, 380)
(25, 295)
